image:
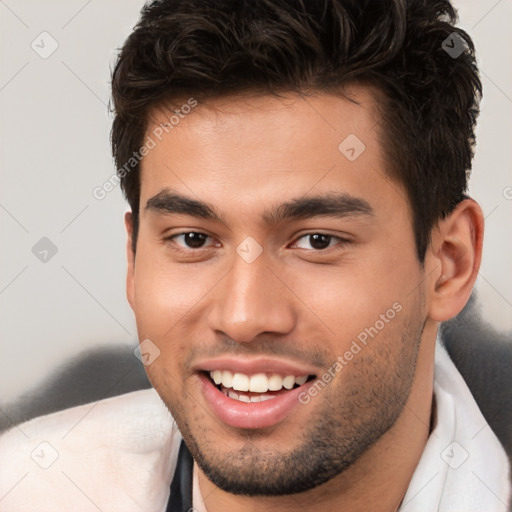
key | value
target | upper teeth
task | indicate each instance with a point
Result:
(257, 383)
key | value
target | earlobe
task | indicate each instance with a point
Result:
(455, 258)
(130, 256)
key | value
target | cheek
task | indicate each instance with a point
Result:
(164, 294)
(168, 305)
(349, 298)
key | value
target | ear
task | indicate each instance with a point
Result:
(454, 260)
(128, 222)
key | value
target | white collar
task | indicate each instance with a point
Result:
(463, 466)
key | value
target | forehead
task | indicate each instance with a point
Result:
(262, 146)
(257, 118)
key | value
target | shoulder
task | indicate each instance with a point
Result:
(110, 454)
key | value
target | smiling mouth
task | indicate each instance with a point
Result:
(258, 387)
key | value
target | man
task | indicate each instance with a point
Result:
(298, 231)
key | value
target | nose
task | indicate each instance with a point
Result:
(249, 301)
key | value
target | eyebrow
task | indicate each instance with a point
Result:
(335, 205)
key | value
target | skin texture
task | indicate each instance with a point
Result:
(356, 444)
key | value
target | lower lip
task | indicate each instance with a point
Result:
(251, 415)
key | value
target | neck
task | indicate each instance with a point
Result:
(378, 480)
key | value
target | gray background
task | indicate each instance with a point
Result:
(55, 150)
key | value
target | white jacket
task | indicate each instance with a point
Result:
(119, 455)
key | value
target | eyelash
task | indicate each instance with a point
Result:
(341, 241)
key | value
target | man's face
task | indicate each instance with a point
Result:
(264, 282)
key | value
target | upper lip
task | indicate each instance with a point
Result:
(255, 365)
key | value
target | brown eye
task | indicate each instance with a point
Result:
(319, 241)
(190, 240)
(316, 241)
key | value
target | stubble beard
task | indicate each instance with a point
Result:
(360, 405)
